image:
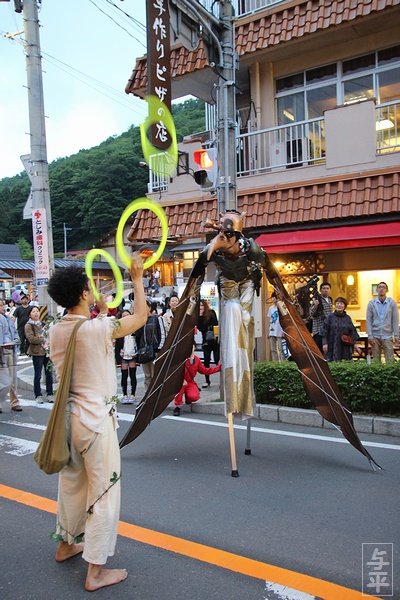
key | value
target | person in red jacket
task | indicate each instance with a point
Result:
(190, 389)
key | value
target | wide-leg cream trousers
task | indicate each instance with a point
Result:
(95, 458)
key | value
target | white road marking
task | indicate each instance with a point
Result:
(274, 591)
(27, 425)
(16, 446)
(309, 436)
(129, 418)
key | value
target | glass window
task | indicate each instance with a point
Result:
(319, 100)
(389, 56)
(291, 109)
(359, 88)
(303, 95)
(389, 85)
(359, 64)
(288, 83)
(321, 74)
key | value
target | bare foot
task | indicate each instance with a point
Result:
(99, 577)
(66, 551)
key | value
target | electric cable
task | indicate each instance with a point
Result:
(118, 25)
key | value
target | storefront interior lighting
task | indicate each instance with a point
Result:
(350, 280)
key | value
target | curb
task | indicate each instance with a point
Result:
(305, 417)
(211, 405)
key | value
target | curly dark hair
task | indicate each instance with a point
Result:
(66, 286)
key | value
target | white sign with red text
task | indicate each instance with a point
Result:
(40, 247)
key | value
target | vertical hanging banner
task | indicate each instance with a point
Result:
(158, 67)
(39, 226)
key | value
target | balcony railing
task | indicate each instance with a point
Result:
(157, 182)
(241, 7)
(297, 145)
(388, 127)
(287, 146)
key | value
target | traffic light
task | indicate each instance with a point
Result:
(206, 178)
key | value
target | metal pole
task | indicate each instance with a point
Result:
(65, 238)
(65, 241)
(248, 437)
(226, 112)
(38, 160)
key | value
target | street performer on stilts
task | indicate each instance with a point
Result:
(239, 262)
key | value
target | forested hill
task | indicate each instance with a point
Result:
(89, 190)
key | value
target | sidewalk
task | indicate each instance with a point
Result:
(210, 403)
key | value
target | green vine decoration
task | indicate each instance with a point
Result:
(59, 537)
(114, 479)
(113, 400)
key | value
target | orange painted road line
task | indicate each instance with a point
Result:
(207, 554)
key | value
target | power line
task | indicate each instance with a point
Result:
(118, 25)
(95, 84)
(140, 25)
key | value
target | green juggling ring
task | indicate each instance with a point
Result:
(91, 255)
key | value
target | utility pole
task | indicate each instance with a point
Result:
(39, 173)
(218, 33)
(226, 111)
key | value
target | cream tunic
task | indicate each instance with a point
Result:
(94, 380)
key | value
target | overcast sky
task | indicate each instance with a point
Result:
(88, 57)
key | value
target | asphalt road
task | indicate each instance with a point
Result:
(303, 503)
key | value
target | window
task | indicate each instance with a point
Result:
(291, 109)
(306, 95)
(321, 74)
(359, 88)
(389, 85)
(320, 99)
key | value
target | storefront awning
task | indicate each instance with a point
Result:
(331, 238)
(189, 247)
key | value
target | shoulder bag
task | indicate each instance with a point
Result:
(147, 353)
(347, 340)
(53, 452)
(210, 337)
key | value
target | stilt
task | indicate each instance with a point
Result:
(248, 436)
(235, 472)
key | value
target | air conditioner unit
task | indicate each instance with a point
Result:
(277, 154)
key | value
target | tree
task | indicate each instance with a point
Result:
(25, 249)
(90, 189)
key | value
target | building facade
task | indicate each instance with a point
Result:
(317, 144)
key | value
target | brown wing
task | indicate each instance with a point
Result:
(169, 366)
(318, 382)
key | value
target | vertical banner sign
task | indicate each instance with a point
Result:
(158, 66)
(39, 226)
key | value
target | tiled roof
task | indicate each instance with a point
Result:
(4, 275)
(183, 61)
(373, 196)
(338, 201)
(302, 18)
(29, 265)
(280, 24)
(10, 252)
(183, 220)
